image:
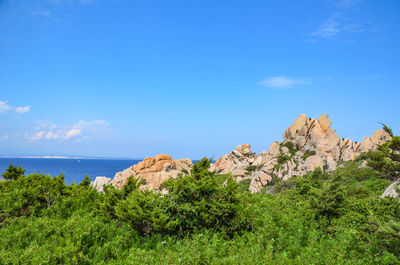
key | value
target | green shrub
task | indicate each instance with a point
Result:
(203, 219)
(308, 154)
(283, 159)
(200, 202)
(13, 173)
(291, 147)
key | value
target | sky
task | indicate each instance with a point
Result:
(136, 78)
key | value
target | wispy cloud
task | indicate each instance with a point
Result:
(81, 130)
(283, 82)
(4, 137)
(54, 9)
(4, 107)
(37, 136)
(343, 22)
(22, 109)
(328, 28)
(347, 3)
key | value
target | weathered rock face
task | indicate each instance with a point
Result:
(391, 191)
(99, 183)
(307, 144)
(153, 171)
(236, 162)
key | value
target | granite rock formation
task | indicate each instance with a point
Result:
(153, 171)
(308, 143)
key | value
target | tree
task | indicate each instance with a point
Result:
(387, 129)
(13, 173)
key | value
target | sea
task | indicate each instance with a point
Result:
(74, 170)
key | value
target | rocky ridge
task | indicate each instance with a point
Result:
(308, 143)
(153, 171)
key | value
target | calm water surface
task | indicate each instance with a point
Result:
(74, 170)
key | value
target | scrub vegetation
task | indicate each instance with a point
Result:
(320, 218)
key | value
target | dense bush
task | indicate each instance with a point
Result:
(386, 160)
(193, 202)
(320, 218)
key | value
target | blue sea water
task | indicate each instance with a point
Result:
(74, 170)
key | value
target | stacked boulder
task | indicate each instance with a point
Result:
(307, 144)
(153, 171)
(236, 162)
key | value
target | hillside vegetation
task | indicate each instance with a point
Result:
(319, 218)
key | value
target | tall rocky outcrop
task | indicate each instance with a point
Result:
(153, 171)
(308, 143)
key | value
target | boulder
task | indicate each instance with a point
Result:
(392, 190)
(121, 177)
(380, 137)
(365, 145)
(259, 180)
(99, 182)
(295, 127)
(274, 149)
(153, 171)
(236, 162)
(324, 122)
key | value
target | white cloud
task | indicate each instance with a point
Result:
(343, 22)
(92, 123)
(22, 109)
(52, 135)
(81, 130)
(328, 29)
(4, 137)
(72, 133)
(37, 136)
(282, 82)
(5, 107)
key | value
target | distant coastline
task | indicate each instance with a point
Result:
(66, 157)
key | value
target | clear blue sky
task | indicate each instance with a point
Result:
(191, 78)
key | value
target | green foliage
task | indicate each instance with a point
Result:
(244, 185)
(389, 235)
(291, 147)
(253, 168)
(282, 158)
(308, 154)
(386, 161)
(204, 218)
(193, 202)
(199, 201)
(387, 129)
(13, 173)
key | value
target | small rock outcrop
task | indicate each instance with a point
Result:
(99, 183)
(153, 171)
(236, 162)
(392, 190)
(308, 143)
